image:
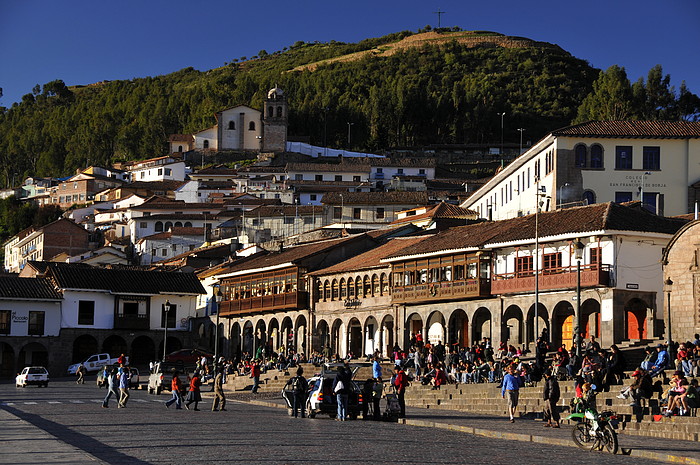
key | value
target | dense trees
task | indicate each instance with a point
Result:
(614, 98)
(427, 94)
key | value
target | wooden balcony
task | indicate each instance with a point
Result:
(122, 321)
(265, 303)
(551, 279)
(446, 290)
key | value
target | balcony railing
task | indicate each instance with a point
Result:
(445, 290)
(140, 321)
(551, 279)
(257, 304)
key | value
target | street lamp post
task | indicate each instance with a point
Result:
(502, 115)
(166, 309)
(218, 297)
(539, 202)
(641, 188)
(349, 126)
(521, 130)
(668, 284)
(578, 253)
(561, 188)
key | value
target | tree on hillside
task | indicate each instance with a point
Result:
(611, 99)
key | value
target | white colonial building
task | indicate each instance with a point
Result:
(655, 162)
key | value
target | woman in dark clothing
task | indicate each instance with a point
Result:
(616, 366)
(194, 396)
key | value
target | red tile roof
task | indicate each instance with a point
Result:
(442, 210)
(591, 218)
(634, 129)
(371, 258)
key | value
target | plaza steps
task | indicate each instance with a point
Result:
(485, 399)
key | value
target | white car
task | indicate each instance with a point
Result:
(32, 375)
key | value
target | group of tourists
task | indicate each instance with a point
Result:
(192, 390)
(117, 378)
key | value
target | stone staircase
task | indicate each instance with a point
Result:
(486, 399)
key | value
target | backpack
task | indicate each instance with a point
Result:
(297, 385)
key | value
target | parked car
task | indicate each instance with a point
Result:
(95, 363)
(189, 356)
(32, 375)
(159, 379)
(322, 400)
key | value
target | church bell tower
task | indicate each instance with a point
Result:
(275, 121)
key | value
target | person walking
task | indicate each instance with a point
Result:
(299, 387)
(511, 388)
(255, 374)
(81, 371)
(194, 396)
(219, 397)
(376, 368)
(175, 387)
(111, 377)
(341, 388)
(401, 383)
(378, 391)
(551, 396)
(124, 378)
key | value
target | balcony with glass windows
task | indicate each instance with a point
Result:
(262, 292)
(438, 279)
(559, 278)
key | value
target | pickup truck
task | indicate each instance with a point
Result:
(161, 375)
(94, 363)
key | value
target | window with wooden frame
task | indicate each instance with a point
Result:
(523, 265)
(551, 262)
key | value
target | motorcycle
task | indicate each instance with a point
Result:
(594, 431)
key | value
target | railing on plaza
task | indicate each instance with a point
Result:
(288, 300)
(427, 292)
(551, 278)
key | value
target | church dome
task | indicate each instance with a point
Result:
(275, 93)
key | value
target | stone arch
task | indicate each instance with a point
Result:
(83, 347)
(33, 354)
(273, 334)
(343, 289)
(7, 361)
(563, 324)
(435, 327)
(590, 318)
(371, 337)
(542, 322)
(260, 336)
(481, 324)
(326, 290)
(188, 224)
(636, 319)
(168, 226)
(459, 328)
(580, 156)
(287, 333)
(376, 289)
(235, 341)
(513, 326)
(279, 112)
(383, 284)
(248, 338)
(159, 226)
(414, 326)
(336, 336)
(143, 350)
(323, 335)
(366, 286)
(300, 332)
(178, 224)
(386, 335)
(174, 344)
(354, 337)
(335, 291)
(115, 345)
(358, 287)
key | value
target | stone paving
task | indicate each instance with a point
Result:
(69, 419)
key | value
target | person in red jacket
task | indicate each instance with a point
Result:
(400, 383)
(175, 386)
(194, 396)
(255, 374)
(440, 375)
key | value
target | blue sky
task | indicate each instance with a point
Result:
(82, 41)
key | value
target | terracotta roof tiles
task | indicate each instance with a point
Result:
(634, 129)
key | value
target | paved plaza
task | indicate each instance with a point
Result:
(65, 423)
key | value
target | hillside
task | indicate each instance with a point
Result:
(403, 89)
(470, 39)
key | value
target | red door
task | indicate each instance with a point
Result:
(636, 324)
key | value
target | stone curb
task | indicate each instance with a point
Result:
(660, 456)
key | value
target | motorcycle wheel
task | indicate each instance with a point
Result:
(581, 436)
(609, 439)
